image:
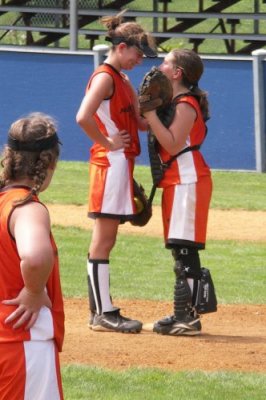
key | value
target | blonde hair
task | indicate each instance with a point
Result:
(21, 164)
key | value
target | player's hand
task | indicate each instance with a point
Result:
(120, 140)
(29, 305)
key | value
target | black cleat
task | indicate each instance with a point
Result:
(170, 326)
(113, 321)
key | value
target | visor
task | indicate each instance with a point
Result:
(142, 45)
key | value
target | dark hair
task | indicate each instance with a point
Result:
(19, 164)
(192, 67)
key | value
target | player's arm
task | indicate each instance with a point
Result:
(173, 139)
(101, 88)
(30, 226)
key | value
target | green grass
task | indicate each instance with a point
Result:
(232, 190)
(140, 266)
(84, 383)
(69, 184)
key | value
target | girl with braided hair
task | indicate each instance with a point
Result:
(109, 115)
(31, 304)
(187, 189)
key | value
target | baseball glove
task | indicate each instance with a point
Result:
(143, 206)
(155, 91)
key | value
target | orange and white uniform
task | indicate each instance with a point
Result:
(111, 172)
(187, 189)
(27, 354)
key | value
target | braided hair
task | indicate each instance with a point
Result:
(25, 160)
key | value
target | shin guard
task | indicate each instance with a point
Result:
(182, 293)
(201, 287)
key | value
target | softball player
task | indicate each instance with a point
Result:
(31, 305)
(109, 116)
(187, 189)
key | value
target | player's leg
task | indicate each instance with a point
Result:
(106, 316)
(185, 214)
(184, 321)
(110, 202)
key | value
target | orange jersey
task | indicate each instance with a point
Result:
(50, 323)
(115, 114)
(190, 166)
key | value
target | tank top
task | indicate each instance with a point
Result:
(188, 167)
(50, 323)
(115, 114)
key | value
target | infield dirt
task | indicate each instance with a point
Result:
(233, 338)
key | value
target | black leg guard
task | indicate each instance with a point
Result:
(203, 292)
(182, 293)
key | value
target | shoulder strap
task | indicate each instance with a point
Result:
(167, 165)
(179, 96)
(185, 150)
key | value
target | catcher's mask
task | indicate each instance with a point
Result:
(142, 45)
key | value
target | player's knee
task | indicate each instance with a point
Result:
(102, 247)
(187, 261)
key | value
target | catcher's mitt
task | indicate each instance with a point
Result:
(155, 91)
(143, 206)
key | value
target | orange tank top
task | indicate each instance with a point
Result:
(50, 323)
(190, 166)
(115, 114)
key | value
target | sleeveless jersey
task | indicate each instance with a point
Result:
(50, 323)
(115, 114)
(190, 166)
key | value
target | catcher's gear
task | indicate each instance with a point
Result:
(166, 114)
(206, 301)
(182, 293)
(143, 206)
(156, 164)
(203, 294)
(155, 91)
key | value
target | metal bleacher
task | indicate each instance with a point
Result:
(41, 23)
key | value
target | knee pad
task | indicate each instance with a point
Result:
(189, 258)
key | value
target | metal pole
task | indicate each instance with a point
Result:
(100, 51)
(259, 109)
(73, 11)
(155, 20)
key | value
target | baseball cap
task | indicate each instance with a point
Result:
(143, 44)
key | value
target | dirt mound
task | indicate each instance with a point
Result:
(234, 338)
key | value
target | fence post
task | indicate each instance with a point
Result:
(73, 17)
(100, 51)
(259, 108)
